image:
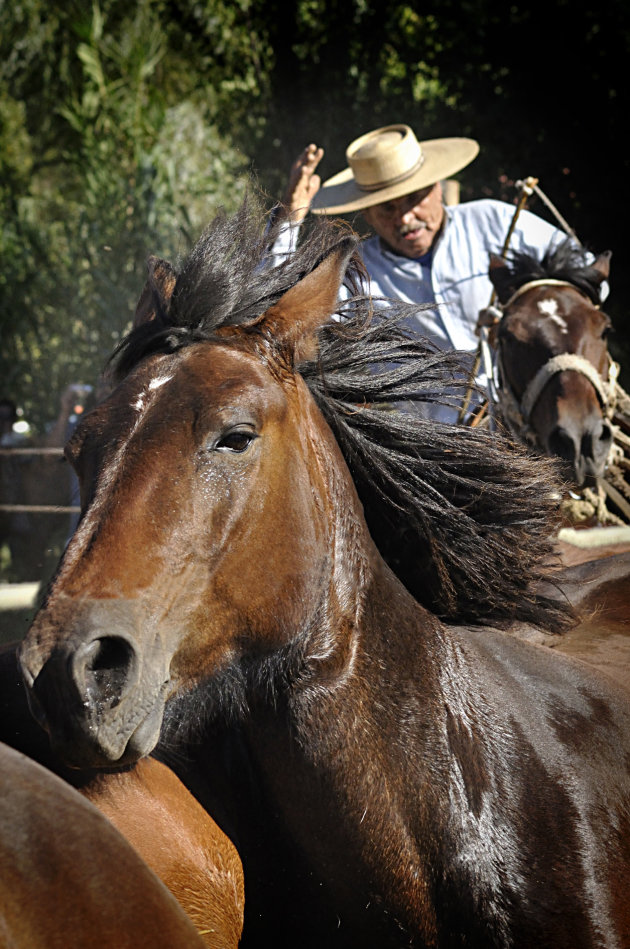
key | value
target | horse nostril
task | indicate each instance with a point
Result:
(595, 443)
(102, 669)
(561, 444)
(606, 433)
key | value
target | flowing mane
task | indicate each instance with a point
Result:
(463, 517)
(388, 779)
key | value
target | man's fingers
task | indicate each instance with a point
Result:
(303, 183)
(312, 157)
(309, 159)
(314, 185)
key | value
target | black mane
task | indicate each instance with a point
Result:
(564, 262)
(463, 517)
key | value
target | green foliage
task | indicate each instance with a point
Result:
(126, 170)
(123, 126)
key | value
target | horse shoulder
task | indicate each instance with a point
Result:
(531, 736)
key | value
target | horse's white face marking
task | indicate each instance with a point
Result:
(141, 402)
(549, 307)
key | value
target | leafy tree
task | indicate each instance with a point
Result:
(124, 168)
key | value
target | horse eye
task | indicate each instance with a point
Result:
(236, 441)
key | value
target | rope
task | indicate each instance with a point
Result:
(543, 282)
(543, 197)
(562, 363)
(526, 190)
(590, 505)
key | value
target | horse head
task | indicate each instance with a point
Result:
(198, 472)
(553, 359)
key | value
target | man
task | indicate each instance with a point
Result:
(422, 251)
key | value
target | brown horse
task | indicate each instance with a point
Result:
(557, 382)
(154, 811)
(394, 781)
(179, 841)
(598, 589)
(68, 879)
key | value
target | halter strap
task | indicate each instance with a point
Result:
(544, 282)
(561, 363)
(517, 414)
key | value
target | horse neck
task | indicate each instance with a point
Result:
(364, 607)
(332, 741)
(340, 747)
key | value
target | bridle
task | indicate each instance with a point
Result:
(517, 412)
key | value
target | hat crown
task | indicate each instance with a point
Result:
(383, 157)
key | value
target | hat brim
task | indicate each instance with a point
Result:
(443, 157)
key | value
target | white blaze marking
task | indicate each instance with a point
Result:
(549, 308)
(159, 381)
(141, 402)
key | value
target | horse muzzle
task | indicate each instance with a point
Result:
(585, 451)
(101, 701)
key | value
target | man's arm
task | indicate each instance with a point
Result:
(288, 214)
(302, 186)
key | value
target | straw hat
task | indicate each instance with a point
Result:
(389, 163)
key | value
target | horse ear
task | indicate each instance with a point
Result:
(500, 277)
(602, 265)
(294, 320)
(157, 291)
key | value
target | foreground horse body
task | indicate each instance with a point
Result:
(68, 879)
(153, 810)
(392, 780)
(558, 389)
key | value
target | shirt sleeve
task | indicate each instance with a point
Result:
(285, 243)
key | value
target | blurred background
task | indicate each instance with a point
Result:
(124, 126)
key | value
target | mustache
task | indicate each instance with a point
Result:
(415, 225)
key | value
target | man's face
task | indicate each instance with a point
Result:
(410, 224)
